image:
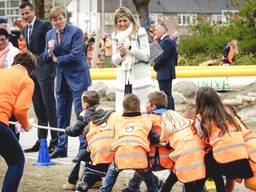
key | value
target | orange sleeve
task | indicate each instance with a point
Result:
(23, 102)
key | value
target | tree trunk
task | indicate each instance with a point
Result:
(142, 9)
(39, 8)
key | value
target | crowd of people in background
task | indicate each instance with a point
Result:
(48, 65)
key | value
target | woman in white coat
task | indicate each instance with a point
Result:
(131, 56)
(7, 50)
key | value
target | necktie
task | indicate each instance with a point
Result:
(59, 37)
(29, 32)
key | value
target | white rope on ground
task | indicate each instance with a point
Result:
(41, 127)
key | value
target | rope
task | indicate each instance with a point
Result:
(41, 127)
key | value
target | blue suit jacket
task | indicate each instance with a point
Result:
(165, 63)
(71, 60)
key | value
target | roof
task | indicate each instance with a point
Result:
(177, 6)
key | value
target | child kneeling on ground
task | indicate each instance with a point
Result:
(158, 155)
(131, 145)
(91, 117)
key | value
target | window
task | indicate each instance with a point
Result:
(155, 19)
(109, 19)
(216, 20)
(10, 9)
(227, 15)
(187, 19)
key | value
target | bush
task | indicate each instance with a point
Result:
(207, 41)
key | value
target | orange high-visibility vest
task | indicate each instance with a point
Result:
(131, 143)
(250, 144)
(163, 152)
(188, 155)
(100, 138)
(231, 54)
(228, 147)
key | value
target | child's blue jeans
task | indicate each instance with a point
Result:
(112, 175)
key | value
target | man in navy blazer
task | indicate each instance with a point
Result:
(165, 63)
(65, 47)
(43, 76)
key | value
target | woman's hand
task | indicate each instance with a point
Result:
(122, 49)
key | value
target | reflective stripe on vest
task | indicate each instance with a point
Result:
(178, 154)
(220, 149)
(124, 155)
(100, 138)
(123, 141)
(100, 151)
(189, 167)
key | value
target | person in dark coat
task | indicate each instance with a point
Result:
(43, 77)
(165, 63)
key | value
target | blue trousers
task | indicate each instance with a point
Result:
(12, 153)
(65, 97)
(112, 175)
(166, 87)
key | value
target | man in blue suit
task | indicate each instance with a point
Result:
(65, 47)
(165, 63)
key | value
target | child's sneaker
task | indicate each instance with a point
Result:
(82, 187)
(69, 186)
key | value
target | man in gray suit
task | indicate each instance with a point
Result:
(43, 76)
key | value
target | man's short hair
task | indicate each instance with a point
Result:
(26, 4)
(56, 11)
(91, 97)
(158, 98)
(164, 26)
(131, 103)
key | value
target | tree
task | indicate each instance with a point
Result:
(142, 9)
(39, 7)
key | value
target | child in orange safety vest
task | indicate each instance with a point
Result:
(188, 152)
(131, 145)
(158, 155)
(97, 125)
(250, 144)
(227, 154)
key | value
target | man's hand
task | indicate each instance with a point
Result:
(54, 58)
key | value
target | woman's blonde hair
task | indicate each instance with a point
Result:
(124, 11)
(233, 43)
